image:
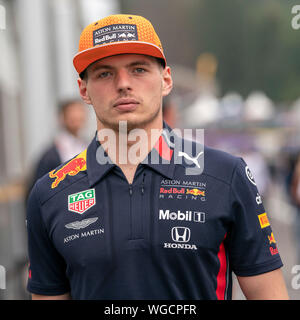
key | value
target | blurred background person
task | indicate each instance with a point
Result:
(295, 199)
(68, 142)
(170, 112)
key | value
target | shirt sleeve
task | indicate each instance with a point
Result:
(252, 245)
(47, 269)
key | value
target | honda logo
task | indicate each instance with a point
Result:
(181, 234)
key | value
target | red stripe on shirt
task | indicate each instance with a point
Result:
(221, 278)
(163, 149)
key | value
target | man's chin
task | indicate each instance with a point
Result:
(131, 121)
(126, 123)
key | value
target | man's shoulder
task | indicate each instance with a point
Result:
(217, 155)
(61, 177)
(220, 164)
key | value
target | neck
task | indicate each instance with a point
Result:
(127, 148)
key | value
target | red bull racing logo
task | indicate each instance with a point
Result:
(195, 192)
(71, 168)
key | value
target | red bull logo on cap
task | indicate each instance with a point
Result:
(71, 168)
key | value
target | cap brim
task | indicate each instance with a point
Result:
(84, 58)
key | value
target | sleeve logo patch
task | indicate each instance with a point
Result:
(263, 220)
(250, 175)
(271, 238)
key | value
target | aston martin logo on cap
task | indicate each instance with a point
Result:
(115, 33)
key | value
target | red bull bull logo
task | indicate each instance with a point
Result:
(195, 192)
(72, 168)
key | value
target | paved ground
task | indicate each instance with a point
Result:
(282, 217)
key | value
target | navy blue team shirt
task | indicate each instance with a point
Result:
(168, 235)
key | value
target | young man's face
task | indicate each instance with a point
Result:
(127, 87)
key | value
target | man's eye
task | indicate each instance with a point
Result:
(104, 74)
(139, 70)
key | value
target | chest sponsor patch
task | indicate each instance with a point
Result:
(81, 224)
(182, 190)
(80, 202)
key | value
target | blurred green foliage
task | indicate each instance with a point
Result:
(254, 42)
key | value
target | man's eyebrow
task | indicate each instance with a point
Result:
(131, 64)
(139, 63)
(101, 66)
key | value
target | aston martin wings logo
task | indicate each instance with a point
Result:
(81, 224)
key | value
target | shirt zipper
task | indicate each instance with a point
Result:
(134, 234)
(130, 208)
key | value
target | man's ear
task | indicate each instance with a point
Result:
(82, 84)
(167, 81)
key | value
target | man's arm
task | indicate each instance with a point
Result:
(65, 296)
(266, 286)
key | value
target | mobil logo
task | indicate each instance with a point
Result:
(178, 215)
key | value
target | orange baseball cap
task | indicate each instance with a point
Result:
(117, 34)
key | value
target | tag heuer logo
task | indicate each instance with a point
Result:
(82, 201)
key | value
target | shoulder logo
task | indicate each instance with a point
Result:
(250, 175)
(71, 168)
(80, 202)
(258, 199)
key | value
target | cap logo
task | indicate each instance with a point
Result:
(115, 33)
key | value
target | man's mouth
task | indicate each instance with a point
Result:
(126, 104)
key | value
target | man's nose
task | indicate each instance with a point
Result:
(123, 82)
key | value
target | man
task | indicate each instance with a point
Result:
(127, 229)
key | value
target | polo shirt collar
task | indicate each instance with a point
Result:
(159, 159)
(95, 169)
